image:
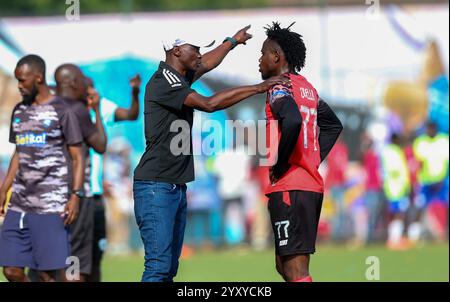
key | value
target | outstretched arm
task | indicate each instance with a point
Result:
(231, 96)
(97, 140)
(131, 114)
(212, 59)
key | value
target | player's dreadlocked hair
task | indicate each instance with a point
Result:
(290, 42)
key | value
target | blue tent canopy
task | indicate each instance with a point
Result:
(438, 92)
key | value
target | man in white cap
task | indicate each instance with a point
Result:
(167, 165)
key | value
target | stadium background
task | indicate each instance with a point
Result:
(383, 68)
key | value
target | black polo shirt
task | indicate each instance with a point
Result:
(168, 125)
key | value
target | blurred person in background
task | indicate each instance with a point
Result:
(71, 84)
(46, 176)
(397, 187)
(119, 196)
(335, 181)
(257, 227)
(260, 230)
(431, 150)
(296, 113)
(203, 202)
(233, 170)
(203, 199)
(413, 215)
(110, 114)
(373, 196)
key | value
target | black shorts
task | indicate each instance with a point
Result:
(295, 226)
(99, 244)
(82, 233)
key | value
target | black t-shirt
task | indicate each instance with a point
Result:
(168, 125)
(88, 129)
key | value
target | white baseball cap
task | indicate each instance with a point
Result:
(169, 44)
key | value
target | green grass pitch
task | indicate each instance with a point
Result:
(330, 263)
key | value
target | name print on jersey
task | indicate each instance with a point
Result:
(307, 94)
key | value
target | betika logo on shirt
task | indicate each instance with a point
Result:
(173, 80)
(31, 140)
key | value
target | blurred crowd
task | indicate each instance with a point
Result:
(396, 194)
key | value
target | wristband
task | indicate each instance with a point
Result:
(233, 41)
(79, 193)
(136, 90)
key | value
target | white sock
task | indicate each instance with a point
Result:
(414, 231)
(395, 231)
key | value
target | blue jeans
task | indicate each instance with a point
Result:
(340, 228)
(160, 210)
(433, 192)
(374, 205)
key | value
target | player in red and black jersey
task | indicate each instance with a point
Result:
(307, 130)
